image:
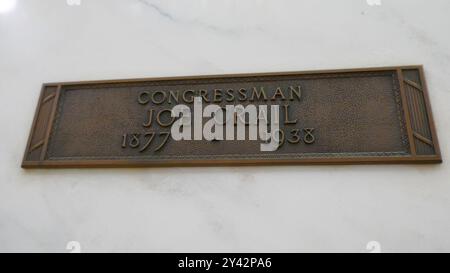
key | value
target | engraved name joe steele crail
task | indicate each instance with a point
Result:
(369, 115)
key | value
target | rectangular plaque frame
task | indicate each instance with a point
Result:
(352, 107)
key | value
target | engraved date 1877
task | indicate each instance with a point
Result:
(144, 140)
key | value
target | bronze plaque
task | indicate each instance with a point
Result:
(375, 115)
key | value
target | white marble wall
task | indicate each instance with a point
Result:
(291, 208)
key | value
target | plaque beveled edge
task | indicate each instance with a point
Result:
(412, 158)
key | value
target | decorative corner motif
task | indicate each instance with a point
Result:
(42, 124)
(422, 132)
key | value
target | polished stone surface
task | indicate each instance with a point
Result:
(290, 208)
